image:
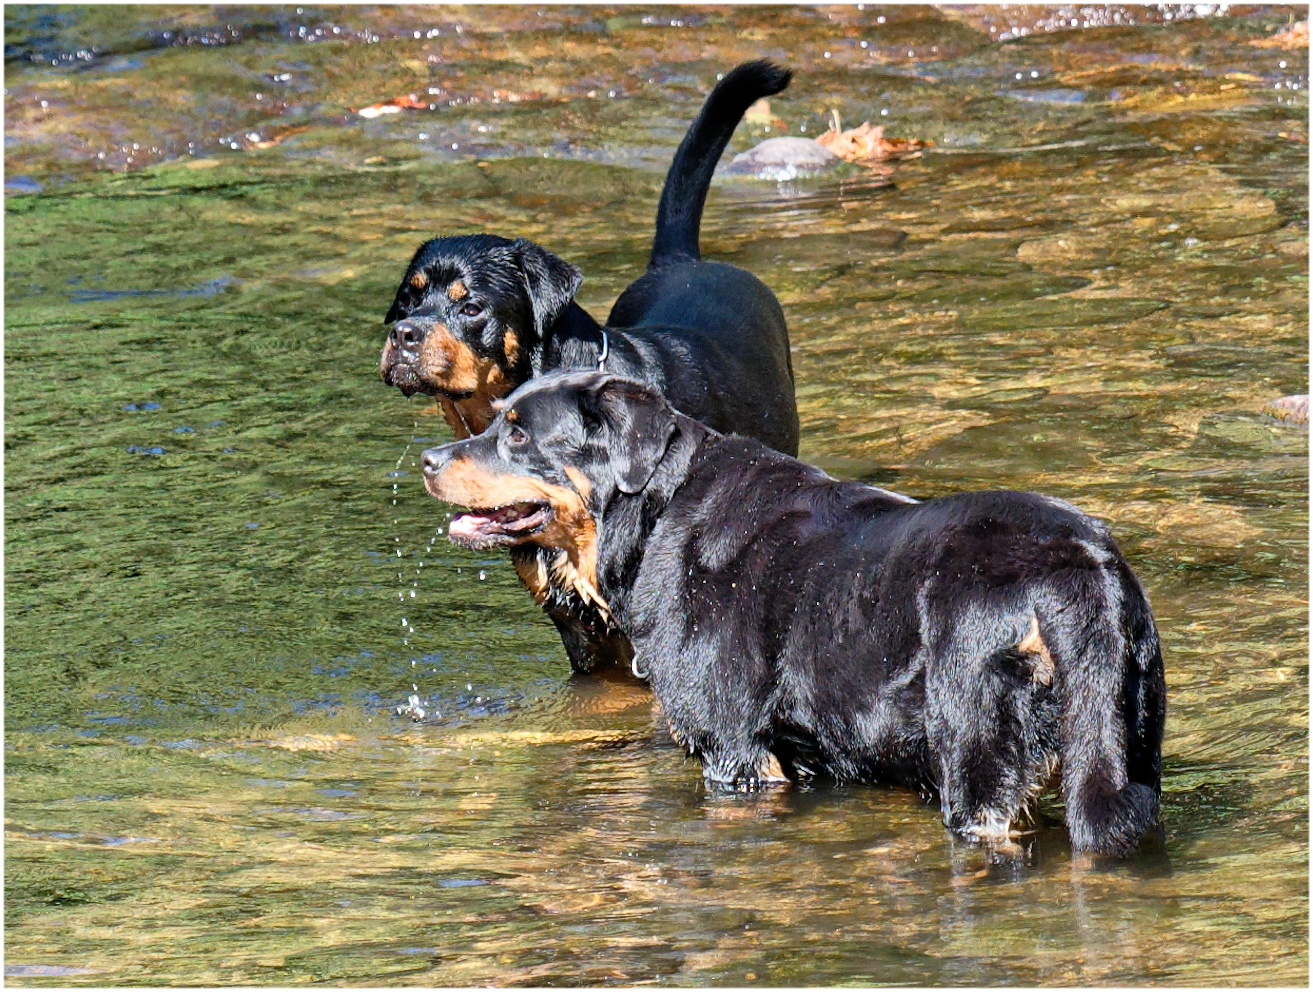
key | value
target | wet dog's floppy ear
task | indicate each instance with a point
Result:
(551, 282)
(638, 424)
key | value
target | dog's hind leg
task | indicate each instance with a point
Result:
(991, 725)
(1113, 705)
(743, 771)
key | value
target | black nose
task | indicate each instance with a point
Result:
(435, 458)
(408, 335)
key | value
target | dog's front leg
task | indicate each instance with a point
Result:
(586, 647)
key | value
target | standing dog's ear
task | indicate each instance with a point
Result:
(639, 425)
(551, 282)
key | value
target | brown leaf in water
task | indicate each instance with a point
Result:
(866, 145)
(394, 106)
(1295, 36)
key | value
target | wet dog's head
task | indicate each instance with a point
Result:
(557, 452)
(467, 318)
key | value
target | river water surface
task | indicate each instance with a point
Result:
(223, 577)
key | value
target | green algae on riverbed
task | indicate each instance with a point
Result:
(206, 782)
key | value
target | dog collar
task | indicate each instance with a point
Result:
(606, 350)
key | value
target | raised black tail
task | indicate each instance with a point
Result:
(679, 215)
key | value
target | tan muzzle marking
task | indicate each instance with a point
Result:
(571, 529)
(449, 364)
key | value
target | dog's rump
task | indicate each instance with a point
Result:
(969, 645)
(1037, 648)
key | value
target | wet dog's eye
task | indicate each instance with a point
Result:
(471, 309)
(517, 436)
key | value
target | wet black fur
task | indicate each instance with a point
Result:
(708, 335)
(852, 632)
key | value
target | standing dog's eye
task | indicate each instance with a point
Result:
(517, 436)
(471, 309)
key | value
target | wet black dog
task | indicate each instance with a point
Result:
(483, 314)
(792, 625)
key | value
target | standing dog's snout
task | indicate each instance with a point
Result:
(434, 459)
(408, 335)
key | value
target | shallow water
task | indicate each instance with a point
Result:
(223, 576)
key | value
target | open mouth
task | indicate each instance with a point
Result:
(503, 525)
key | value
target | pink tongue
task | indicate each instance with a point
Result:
(465, 525)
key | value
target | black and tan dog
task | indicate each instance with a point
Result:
(792, 625)
(478, 315)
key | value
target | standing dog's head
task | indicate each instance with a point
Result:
(557, 452)
(467, 318)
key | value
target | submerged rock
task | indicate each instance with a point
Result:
(1291, 409)
(782, 159)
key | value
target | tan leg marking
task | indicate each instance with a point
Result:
(1033, 645)
(770, 770)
